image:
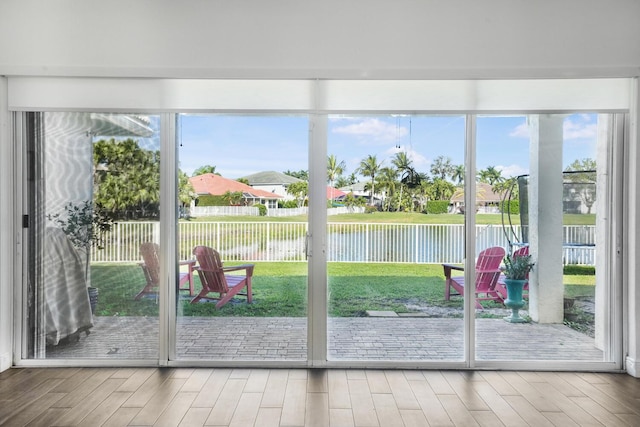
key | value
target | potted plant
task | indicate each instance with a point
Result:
(85, 225)
(516, 273)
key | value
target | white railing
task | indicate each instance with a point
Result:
(346, 242)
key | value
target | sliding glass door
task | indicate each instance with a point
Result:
(395, 238)
(544, 197)
(365, 228)
(242, 227)
(92, 197)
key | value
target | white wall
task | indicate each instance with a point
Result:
(321, 39)
(6, 232)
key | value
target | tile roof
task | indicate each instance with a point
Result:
(216, 185)
(484, 193)
(333, 193)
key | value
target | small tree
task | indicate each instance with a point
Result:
(299, 190)
(85, 225)
(582, 177)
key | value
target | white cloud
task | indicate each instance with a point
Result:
(579, 129)
(512, 170)
(418, 159)
(575, 130)
(521, 131)
(374, 128)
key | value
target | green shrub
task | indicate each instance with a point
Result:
(437, 207)
(287, 204)
(510, 206)
(262, 209)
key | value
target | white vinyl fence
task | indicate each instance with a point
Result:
(346, 242)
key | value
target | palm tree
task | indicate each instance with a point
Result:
(301, 174)
(186, 193)
(490, 175)
(204, 169)
(387, 179)
(370, 167)
(402, 162)
(458, 174)
(334, 169)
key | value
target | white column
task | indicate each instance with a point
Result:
(603, 211)
(7, 214)
(545, 218)
(316, 250)
(632, 276)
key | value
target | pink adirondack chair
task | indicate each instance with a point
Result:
(487, 274)
(213, 278)
(151, 269)
(501, 287)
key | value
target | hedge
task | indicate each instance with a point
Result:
(209, 200)
(437, 207)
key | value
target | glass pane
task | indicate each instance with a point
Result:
(94, 199)
(242, 194)
(547, 173)
(391, 227)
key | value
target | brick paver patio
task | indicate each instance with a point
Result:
(359, 338)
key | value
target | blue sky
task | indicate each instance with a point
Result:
(240, 145)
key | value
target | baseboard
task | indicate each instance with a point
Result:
(5, 361)
(632, 367)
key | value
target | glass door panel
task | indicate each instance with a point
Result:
(92, 197)
(547, 168)
(243, 182)
(391, 227)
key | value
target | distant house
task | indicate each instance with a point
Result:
(358, 190)
(335, 194)
(216, 185)
(272, 182)
(487, 201)
(277, 183)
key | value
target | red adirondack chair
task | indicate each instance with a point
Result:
(213, 278)
(487, 274)
(151, 269)
(501, 287)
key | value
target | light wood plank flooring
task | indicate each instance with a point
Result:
(300, 397)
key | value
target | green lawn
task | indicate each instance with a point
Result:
(280, 290)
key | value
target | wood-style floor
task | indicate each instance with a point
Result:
(300, 397)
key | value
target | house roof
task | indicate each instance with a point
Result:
(270, 177)
(356, 186)
(333, 193)
(216, 185)
(484, 193)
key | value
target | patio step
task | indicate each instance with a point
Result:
(374, 313)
